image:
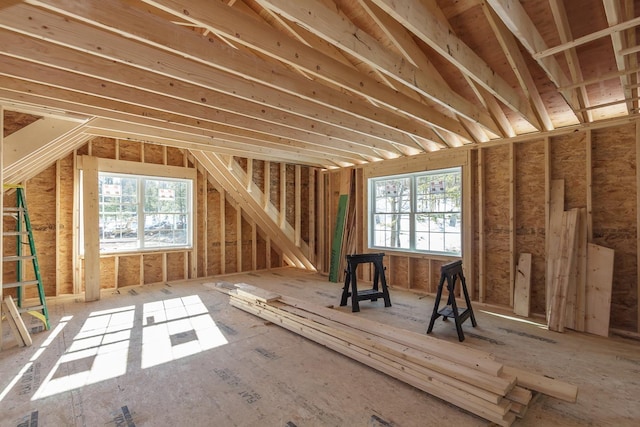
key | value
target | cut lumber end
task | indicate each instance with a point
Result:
(540, 383)
(256, 293)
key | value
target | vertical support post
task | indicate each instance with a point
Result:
(468, 259)
(512, 221)
(589, 176)
(481, 264)
(223, 249)
(1, 206)
(91, 229)
(254, 246)
(637, 220)
(283, 195)
(57, 235)
(267, 183)
(322, 218)
(297, 206)
(312, 216)
(238, 238)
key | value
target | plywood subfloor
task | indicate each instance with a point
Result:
(180, 355)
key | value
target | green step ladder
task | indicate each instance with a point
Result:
(23, 229)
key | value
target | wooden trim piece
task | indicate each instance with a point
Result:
(522, 291)
(91, 229)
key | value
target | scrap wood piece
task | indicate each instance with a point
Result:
(540, 383)
(14, 316)
(598, 289)
(258, 294)
(522, 291)
(562, 273)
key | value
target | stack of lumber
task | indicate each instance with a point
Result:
(579, 273)
(468, 378)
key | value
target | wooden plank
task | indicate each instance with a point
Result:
(598, 289)
(255, 293)
(562, 273)
(336, 244)
(581, 271)
(12, 326)
(522, 286)
(91, 229)
(543, 384)
(556, 208)
(12, 311)
(492, 412)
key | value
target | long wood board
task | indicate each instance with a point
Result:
(598, 289)
(522, 291)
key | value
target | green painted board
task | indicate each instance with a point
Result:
(337, 239)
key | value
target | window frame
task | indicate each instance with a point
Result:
(149, 171)
(413, 210)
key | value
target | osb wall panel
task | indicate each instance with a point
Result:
(530, 215)
(419, 274)
(107, 272)
(496, 224)
(261, 251)
(276, 260)
(568, 162)
(231, 233)
(175, 156)
(614, 215)
(274, 186)
(214, 240)
(153, 154)
(65, 227)
(103, 147)
(128, 270)
(291, 194)
(41, 204)
(242, 162)
(152, 268)
(258, 174)
(175, 266)
(14, 121)
(399, 269)
(434, 274)
(130, 150)
(247, 245)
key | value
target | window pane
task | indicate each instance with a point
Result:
(418, 212)
(139, 212)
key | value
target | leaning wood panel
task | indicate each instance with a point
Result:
(129, 270)
(614, 216)
(522, 288)
(530, 216)
(107, 272)
(153, 154)
(496, 225)
(65, 226)
(568, 162)
(175, 266)
(600, 261)
(130, 150)
(152, 264)
(41, 204)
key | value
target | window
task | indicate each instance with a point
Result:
(420, 212)
(142, 212)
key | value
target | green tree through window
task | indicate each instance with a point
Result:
(419, 212)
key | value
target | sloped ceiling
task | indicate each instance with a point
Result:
(327, 83)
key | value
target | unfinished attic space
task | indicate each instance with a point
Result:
(320, 213)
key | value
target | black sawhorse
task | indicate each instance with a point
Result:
(379, 281)
(450, 273)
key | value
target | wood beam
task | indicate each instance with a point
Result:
(415, 16)
(90, 231)
(264, 39)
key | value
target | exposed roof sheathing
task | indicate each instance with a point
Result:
(326, 83)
